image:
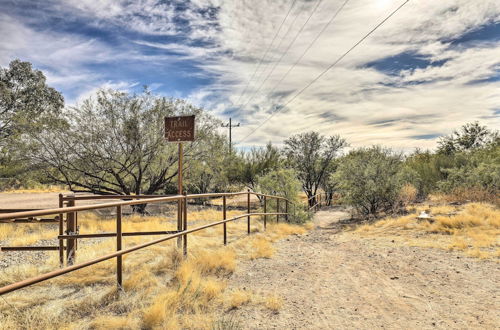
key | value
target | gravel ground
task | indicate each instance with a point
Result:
(332, 280)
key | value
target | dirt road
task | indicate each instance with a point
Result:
(329, 279)
(29, 200)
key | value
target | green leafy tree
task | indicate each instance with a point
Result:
(480, 170)
(209, 173)
(329, 185)
(428, 169)
(26, 102)
(257, 162)
(370, 180)
(114, 144)
(311, 155)
(469, 137)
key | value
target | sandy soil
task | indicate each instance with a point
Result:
(48, 200)
(29, 200)
(330, 279)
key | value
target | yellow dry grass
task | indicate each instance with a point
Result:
(473, 228)
(274, 303)
(238, 298)
(162, 289)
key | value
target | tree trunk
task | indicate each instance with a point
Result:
(139, 208)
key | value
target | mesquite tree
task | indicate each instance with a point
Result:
(26, 102)
(311, 155)
(370, 179)
(257, 162)
(114, 143)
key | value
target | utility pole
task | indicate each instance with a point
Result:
(230, 126)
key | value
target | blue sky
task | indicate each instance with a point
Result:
(432, 67)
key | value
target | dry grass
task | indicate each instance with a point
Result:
(162, 290)
(261, 248)
(238, 298)
(274, 303)
(469, 194)
(473, 228)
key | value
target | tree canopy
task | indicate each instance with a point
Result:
(469, 137)
(311, 155)
(26, 101)
(114, 144)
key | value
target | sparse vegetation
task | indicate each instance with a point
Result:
(161, 289)
(473, 228)
(112, 143)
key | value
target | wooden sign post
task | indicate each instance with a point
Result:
(179, 129)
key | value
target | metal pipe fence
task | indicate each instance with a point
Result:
(72, 235)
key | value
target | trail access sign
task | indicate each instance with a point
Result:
(179, 129)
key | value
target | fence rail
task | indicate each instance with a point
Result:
(320, 199)
(72, 235)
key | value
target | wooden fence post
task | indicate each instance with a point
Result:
(119, 277)
(61, 232)
(224, 216)
(248, 211)
(184, 238)
(70, 230)
(265, 212)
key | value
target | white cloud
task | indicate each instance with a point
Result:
(122, 86)
(351, 97)
(226, 39)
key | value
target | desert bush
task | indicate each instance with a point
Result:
(425, 170)
(462, 195)
(407, 195)
(370, 180)
(247, 167)
(283, 182)
(477, 179)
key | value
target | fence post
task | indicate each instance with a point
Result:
(265, 212)
(277, 210)
(119, 278)
(224, 218)
(248, 211)
(294, 212)
(70, 230)
(286, 210)
(61, 232)
(184, 238)
(179, 222)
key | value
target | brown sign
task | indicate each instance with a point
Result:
(179, 129)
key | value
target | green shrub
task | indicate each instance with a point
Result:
(481, 171)
(370, 180)
(284, 182)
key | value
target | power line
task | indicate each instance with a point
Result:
(271, 60)
(309, 46)
(326, 70)
(284, 53)
(266, 52)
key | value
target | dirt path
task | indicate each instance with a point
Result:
(329, 279)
